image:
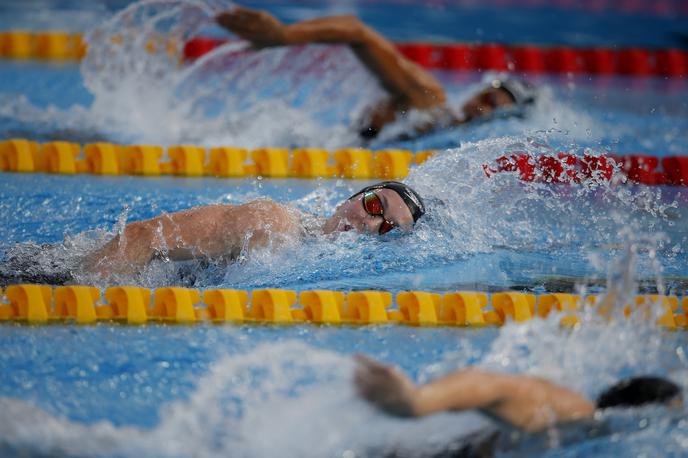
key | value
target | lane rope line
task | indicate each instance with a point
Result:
(635, 61)
(42, 304)
(521, 58)
(60, 157)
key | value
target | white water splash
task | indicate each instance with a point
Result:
(283, 399)
(234, 95)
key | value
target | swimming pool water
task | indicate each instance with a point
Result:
(611, 23)
(261, 391)
(285, 391)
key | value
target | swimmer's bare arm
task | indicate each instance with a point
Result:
(408, 84)
(526, 402)
(213, 231)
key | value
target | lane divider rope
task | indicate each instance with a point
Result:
(57, 45)
(42, 304)
(43, 45)
(20, 155)
(521, 58)
(571, 168)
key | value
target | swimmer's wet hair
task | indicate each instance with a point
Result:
(638, 391)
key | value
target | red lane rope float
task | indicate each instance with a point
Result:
(569, 168)
(535, 59)
(198, 46)
(523, 58)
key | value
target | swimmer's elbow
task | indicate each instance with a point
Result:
(137, 243)
(136, 230)
(356, 30)
(354, 22)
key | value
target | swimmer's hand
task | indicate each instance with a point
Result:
(259, 27)
(385, 387)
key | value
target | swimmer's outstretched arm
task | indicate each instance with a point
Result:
(213, 231)
(526, 402)
(409, 85)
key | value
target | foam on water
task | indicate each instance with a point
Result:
(264, 403)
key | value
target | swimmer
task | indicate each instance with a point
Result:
(408, 85)
(526, 403)
(225, 231)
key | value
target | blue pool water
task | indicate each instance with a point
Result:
(285, 391)
(612, 22)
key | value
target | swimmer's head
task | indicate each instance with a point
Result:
(377, 209)
(637, 391)
(500, 94)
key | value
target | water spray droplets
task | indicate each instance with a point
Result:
(233, 95)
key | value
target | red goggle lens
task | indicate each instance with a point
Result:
(385, 227)
(372, 204)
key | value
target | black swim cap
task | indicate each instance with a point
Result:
(409, 196)
(638, 391)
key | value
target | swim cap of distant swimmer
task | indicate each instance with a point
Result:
(409, 196)
(522, 92)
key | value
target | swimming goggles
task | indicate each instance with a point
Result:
(373, 206)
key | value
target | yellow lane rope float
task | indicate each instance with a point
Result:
(19, 155)
(45, 45)
(42, 304)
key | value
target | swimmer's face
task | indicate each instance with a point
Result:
(351, 214)
(486, 101)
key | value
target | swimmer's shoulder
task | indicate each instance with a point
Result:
(269, 207)
(265, 213)
(262, 206)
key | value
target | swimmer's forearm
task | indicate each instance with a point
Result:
(409, 85)
(462, 390)
(333, 29)
(125, 254)
(213, 231)
(139, 243)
